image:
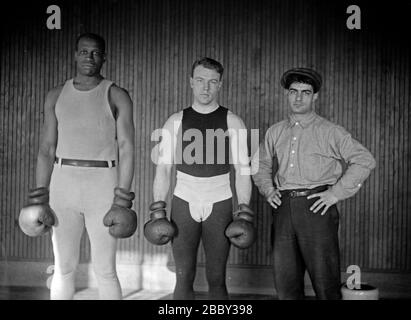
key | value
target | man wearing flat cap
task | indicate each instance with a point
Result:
(306, 187)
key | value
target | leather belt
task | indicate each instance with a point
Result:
(86, 163)
(302, 192)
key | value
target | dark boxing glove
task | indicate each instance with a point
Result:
(241, 231)
(36, 217)
(159, 230)
(120, 219)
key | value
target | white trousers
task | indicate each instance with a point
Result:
(80, 197)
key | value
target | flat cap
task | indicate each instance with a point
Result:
(305, 72)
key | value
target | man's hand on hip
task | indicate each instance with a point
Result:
(327, 199)
(273, 198)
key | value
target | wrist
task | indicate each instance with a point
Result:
(158, 205)
(269, 192)
(243, 206)
(244, 212)
(334, 197)
(158, 210)
(123, 198)
(121, 202)
(336, 192)
(39, 195)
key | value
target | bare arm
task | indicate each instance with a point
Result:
(48, 142)
(161, 184)
(125, 135)
(241, 161)
(165, 157)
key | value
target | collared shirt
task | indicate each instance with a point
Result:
(309, 152)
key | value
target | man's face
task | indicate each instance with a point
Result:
(301, 98)
(205, 84)
(89, 57)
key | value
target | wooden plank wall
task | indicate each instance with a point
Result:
(151, 45)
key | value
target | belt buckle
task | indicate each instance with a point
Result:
(293, 194)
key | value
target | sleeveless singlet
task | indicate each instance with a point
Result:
(86, 126)
(214, 160)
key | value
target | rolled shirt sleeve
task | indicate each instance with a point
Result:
(359, 160)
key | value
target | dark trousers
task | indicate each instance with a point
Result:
(304, 240)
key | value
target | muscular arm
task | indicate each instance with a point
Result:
(165, 157)
(125, 135)
(239, 152)
(48, 142)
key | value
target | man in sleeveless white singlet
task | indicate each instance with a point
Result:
(88, 120)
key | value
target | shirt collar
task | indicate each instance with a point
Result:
(304, 120)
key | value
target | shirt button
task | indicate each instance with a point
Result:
(297, 123)
(292, 151)
(359, 185)
(294, 138)
(291, 165)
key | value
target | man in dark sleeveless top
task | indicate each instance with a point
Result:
(201, 140)
(88, 122)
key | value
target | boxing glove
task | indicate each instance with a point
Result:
(241, 231)
(159, 230)
(120, 219)
(36, 217)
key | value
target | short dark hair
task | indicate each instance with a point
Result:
(209, 64)
(300, 79)
(88, 35)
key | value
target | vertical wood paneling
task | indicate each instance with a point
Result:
(150, 48)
